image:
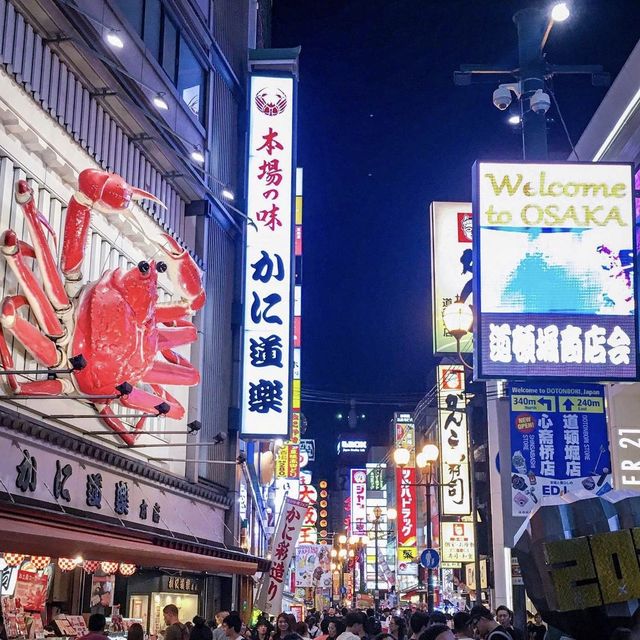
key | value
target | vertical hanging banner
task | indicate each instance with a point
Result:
(451, 269)
(554, 271)
(283, 547)
(559, 442)
(267, 352)
(359, 502)
(454, 441)
(406, 497)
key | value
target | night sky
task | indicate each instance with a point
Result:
(383, 131)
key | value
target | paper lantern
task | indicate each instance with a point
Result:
(14, 559)
(67, 564)
(40, 562)
(127, 569)
(109, 567)
(91, 566)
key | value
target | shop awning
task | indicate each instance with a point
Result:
(30, 535)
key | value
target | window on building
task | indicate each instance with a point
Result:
(132, 11)
(191, 80)
(169, 47)
(152, 26)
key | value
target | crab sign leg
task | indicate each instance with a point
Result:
(14, 253)
(119, 427)
(173, 370)
(36, 224)
(177, 333)
(145, 401)
(104, 192)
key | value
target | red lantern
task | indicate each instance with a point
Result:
(67, 564)
(14, 559)
(91, 566)
(109, 567)
(40, 562)
(127, 569)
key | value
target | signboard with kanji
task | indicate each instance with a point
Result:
(268, 327)
(559, 443)
(458, 541)
(554, 271)
(283, 547)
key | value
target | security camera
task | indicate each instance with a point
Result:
(540, 102)
(502, 97)
(220, 437)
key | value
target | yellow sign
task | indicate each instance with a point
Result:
(407, 554)
(570, 404)
(542, 404)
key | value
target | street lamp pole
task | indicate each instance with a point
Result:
(429, 542)
(377, 512)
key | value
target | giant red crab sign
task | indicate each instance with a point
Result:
(111, 334)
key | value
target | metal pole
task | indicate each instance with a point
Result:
(376, 600)
(474, 509)
(533, 28)
(429, 542)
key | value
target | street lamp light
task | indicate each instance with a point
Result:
(401, 456)
(560, 12)
(458, 320)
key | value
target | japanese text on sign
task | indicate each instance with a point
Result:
(358, 502)
(267, 322)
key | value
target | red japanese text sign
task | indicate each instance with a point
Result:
(407, 514)
(283, 547)
(359, 502)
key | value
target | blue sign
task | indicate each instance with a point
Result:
(430, 559)
(555, 287)
(559, 442)
(343, 591)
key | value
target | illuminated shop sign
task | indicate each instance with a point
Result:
(359, 502)
(267, 359)
(352, 446)
(554, 280)
(451, 268)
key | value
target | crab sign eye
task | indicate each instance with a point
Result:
(161, 267)
(144, 267)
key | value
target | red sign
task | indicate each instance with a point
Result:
(407, 502)
(31, 590)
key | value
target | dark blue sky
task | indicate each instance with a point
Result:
(383, 131)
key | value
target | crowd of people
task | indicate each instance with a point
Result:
(344, 624)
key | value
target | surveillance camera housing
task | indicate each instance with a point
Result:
(502, 97)
(540, 102)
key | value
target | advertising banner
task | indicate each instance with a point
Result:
(267, 358)
(554, 276)
(406, 434)
(283, 547)
(454, 441)
(559, 442)
(451, 269)
(313, 566)
(407, 515)
(288, 461)
(358, 502)
(31, 590)
(458, 542)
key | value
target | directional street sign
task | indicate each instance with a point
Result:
(430, 559)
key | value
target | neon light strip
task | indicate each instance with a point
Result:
(616, 129)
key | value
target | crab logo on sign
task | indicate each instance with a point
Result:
(271, 102)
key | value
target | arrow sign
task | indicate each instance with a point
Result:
(545, 402)
(429, 558)
(568, 405)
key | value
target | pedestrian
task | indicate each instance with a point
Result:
(418, 622)
(218, 632)
(482, 620)
(621, 633)
(461, 627)
(354, 622)
(504, 616)
(200, 630)
(263, 630)
(232, 624)
(437, 617)
(135, 632)
(97, 623)
(438, 632)
(283, 627)
(302, 629)
(536, 630)
(397, 628)
(175, 629)
(314, 629)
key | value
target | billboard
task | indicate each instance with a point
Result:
(554, 281)
(358, 502)
(458, 541)
(267, 340)
(559, 443)
(455, 469)
(451, 269)
(406, 497)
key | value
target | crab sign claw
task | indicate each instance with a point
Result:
(185, 274)
(106, 192)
